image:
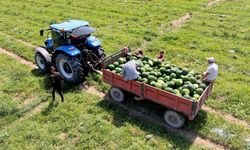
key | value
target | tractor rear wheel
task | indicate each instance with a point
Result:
(41, 62)
(69, 67)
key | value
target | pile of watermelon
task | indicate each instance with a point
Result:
(165, 76)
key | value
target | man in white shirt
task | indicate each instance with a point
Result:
(212, 71)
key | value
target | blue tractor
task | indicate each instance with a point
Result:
(71, 48)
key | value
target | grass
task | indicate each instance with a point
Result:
(18, 84)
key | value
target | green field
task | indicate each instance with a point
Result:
(85, 121)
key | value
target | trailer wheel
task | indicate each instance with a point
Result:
(117, 94)
(174, 119)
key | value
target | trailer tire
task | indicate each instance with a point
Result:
(174, 119)
(117, 94)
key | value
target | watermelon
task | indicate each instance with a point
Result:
(185, 92)
(184, 71)
(194, 99)
(160, 81)
(145, 74)
(134, 58)
(199, 91)
(145, 58)
(142, 69)
(199, 81)
(156, 62)
(180, 88)
(146, 66)
(162, 70)
(174, 70)
(158, 85)
(168, 72)
(118, 70)
(166, 78)
(187, 96)
(145, 80)
(139, 62)
(178, 73)
(187, 82)
(197, 96)
(158, 74)
(152, 83)
(167, 66)
(116, 63)
(111, 67)
(171, 84)
(203, 86)
(176, 91)
(161, 78)
(191, 87)
(179, 82)
(152, 78)
(184, 78)
(172, 75)
(168, 89)
(196, 86)
(122, 60)
(150, 62)
(192, 80)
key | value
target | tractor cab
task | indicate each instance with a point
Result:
(71, 32)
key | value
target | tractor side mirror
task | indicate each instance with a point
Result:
(41, 32)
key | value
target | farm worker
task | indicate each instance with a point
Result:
(160, 56)
(57, 82)
(140, 53)
(129, 70)
(212, 71)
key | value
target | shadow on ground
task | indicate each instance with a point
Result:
(46, 84)
(148, 117)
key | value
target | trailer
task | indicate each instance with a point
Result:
(178, 108)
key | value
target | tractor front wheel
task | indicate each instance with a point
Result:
(41, 62)
(69, 67)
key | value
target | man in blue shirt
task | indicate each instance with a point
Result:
(129, 70)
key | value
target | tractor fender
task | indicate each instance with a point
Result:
(44, 53)
(69, 49)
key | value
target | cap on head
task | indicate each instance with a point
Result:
(210, 59)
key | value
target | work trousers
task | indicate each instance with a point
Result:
(59, 90)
